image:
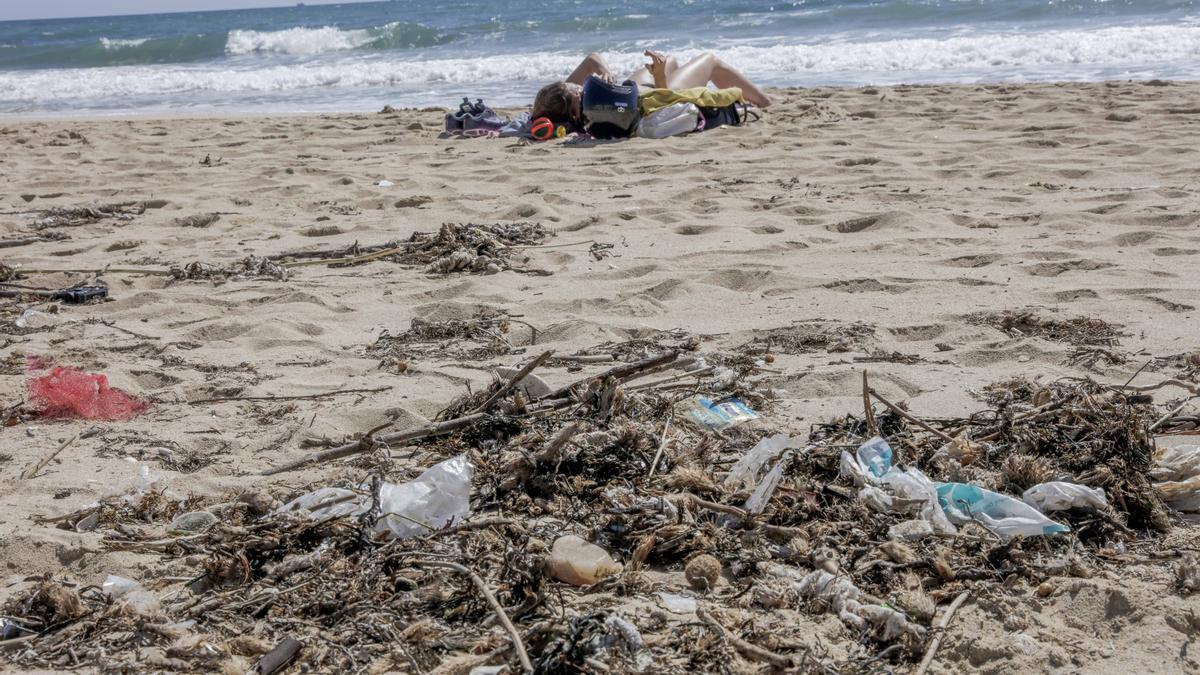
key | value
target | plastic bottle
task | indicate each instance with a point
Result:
(579, 563)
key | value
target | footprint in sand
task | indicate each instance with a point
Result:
(690, 230)
(766, 229)
(853, 225)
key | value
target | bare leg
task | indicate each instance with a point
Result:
(708, 68)
(593, 64)
(643, 77)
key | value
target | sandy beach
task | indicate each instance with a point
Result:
(898, 222)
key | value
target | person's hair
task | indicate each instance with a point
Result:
(553, 101)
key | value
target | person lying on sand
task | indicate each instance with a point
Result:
(562, 101)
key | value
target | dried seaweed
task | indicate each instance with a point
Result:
(71, 216)
(455, 247)
(1079, 331)
(483, 336)
(807, 337)
(251, 267)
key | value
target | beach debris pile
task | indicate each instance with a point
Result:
(486, 335)
(250, 267)
(85, 214)
(602, 526)
(456, 247)
(1078, 331)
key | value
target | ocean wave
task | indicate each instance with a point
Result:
(310, 41)
(108, 52)
(1164, 51)
(111, 44)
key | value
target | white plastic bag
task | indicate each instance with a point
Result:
(745, 472)
(1001, 514)
(122, 589)
(1060, 496)
(673, 120)
(436, 498)
(913, 485)
(762, 494)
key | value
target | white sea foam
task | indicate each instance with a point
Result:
(296, 41)
(112, 45)
(1151, 51)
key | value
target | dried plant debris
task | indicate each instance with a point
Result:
(252, 267)
(71, 216)
(472, 248)
(807, 337)
(483, 336)
(748, 571)
(1080, 331)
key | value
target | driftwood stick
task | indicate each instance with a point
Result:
(102, 270)
(937, 639)
(300, 397)
(513, 381)
(1193, 388)
(674, 378)
(482, 586)
(420, 433)
(662, 444)
(748, 649)
(872, 426)
(587, 358)
(1163, 420)
(910, 417)
(22, 241)
(740, 514)
(345, 262)
(623, 371)
(358, 446)
(31, 470)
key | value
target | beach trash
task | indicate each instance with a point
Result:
(910, 530)
(74, 394)
(130, 592)
(1060, 496)
(580, 563)
(192, 523)
(678, 604)
(869, 463)
(747, 469)
(1000, 514)
(36, 318)
(438, 497)
(717, 415)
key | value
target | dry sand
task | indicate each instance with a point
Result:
(905, 208)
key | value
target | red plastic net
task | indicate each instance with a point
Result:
(68, 392)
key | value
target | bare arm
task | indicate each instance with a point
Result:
(592, 65)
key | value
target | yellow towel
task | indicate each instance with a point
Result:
(650, 100)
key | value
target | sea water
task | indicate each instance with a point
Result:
(418, 53)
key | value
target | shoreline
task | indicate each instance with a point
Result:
(216, 113)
